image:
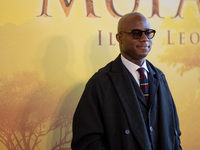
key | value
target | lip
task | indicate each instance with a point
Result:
(143, 47)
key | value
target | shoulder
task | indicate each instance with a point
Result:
(154, 69)
(102, 74)
(97, 86)
(102, 78)
(157, 74)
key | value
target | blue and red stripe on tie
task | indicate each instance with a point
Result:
(144, 83)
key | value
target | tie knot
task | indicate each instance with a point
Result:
(141, 72)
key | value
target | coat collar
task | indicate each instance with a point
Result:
(131, 108)
(153, 83)
(118, 67)
(133, 113)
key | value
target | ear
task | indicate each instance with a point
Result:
(118, 37)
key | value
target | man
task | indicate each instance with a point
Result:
(114, 113)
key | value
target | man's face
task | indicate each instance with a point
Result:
(135, 49)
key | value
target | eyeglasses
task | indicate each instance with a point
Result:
(137, 34)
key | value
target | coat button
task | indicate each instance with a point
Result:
(151, 128)
(176, 133)
(127, 131)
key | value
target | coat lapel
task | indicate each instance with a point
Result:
(129, 101)
(137, 90)
(153, 85)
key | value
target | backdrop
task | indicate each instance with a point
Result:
(50, 48)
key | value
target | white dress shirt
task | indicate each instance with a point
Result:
(133, 68)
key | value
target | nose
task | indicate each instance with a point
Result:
(144, 37)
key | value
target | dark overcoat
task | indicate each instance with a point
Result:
(109, 116)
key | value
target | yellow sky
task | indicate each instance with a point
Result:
(19, 12)
(53, 46)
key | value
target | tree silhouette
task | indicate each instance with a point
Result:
(183, 53)
(183, 50)
(67, 106)
(63, 141)
(27, 111)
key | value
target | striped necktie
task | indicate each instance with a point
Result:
(143, 82)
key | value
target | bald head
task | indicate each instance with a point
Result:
(130, 17)
(134, 49)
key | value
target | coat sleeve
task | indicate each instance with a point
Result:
(88, 130)
(177, 131)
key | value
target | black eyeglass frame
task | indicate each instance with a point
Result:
(141, 32)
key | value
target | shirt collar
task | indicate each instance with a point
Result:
(131, 66)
